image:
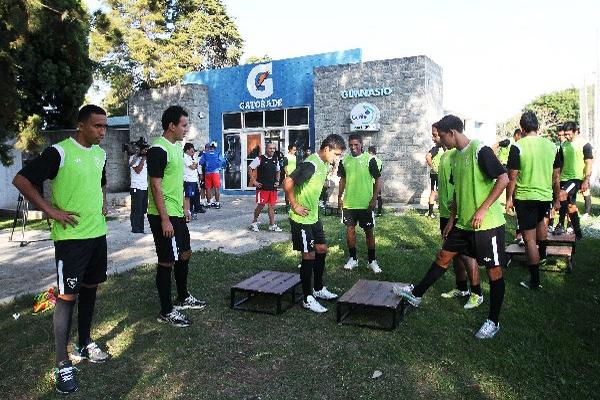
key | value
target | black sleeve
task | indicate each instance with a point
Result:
(504, 143)
(489, 163)
(374, 169)
(434, 150)
(302, 173)
(558, 160)
(43, 167)
(341, 171)
(103, 180)
(285, 162)
(587, 152)
(514, 158)
(156, 160)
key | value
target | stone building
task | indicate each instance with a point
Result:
(301, 100)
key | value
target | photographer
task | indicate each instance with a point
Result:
(139, 183)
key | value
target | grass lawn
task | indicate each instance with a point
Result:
(548, 345)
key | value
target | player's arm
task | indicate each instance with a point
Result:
(513, 165)
(140, 165)
(429, 159)
(452, 218)
(492, 168)
(376, 175)
(103, 185)
(301, 174)
(33, 176)
(277, 175)
(556, 167)
(341, 172)
(588, 158)
(253, 174)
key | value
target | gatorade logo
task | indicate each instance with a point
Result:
(259, 82)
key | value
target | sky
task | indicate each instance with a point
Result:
(496, 55)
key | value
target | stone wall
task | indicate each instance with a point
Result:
(146, 108)
(117, 166)
(8, 193)
(406, 116)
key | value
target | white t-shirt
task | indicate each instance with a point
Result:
(138, 181)
(189, 175)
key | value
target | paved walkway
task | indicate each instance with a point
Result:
(31, 269)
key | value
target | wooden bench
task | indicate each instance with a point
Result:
(566, 239)
(368, 295)
(565, 252)
(270, 284)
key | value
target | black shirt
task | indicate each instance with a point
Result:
(488, 163)
(45, 166)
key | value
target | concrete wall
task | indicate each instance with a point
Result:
(8, 193)
(147, 106)
(406, 116)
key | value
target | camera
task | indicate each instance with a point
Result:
(138, 147)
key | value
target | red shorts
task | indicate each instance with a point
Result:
(212, 180)
(266, 197)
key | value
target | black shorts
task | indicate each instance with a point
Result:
(168, 249)
(531, 212)
(487, 246)
(434, 182)
(305, 237)
(574, 185)
(364, 217)
(80, 261)
(443, 223)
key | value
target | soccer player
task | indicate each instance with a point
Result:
(503, 146)
(533, 170)
(76, 169)
(264, 175)
(303, 188)
(433, 160)
(574, 176)
(462, 264)
(373, 151)
(168, 215)
(476, 224)
(212, 162)
(359, 186)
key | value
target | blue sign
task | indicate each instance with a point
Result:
(271, 85)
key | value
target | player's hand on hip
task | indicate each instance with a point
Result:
(167, 229)
(562, 195)
(478, 217)
(258, 184)
(63, 217)
(300, 210)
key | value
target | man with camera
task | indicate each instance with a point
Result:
(138, 188)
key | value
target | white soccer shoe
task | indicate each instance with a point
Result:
(374, 266)
(275, 228)
(351, 264)
(313, 305)
(254, 227)
(324, 294)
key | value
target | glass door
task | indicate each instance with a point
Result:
(254, 142)
(232, 149)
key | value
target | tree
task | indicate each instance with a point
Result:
(552, 110)
(257, 60)
(44, 54)
(141, 44)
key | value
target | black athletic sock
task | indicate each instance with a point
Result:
(574, 217)
(63, 312)
(352, 251)
(461, 285)
(181, 274)
(306, 271)
(430, 208)
(163, 285)
(588, 204)
(542, 247)
(476, 289)
(371, 254)
(318, 271)
(434, 273)
(534, 271)
(85, 311)
(496, 299)
(562, 213)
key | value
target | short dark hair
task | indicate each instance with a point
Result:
(86, 112)
(435, 125)
(188, 146)
(291, 146)
(172, 115)
(450, 122)
(372, 149)
(560, 127)
(570, 126)
(355, 136)
(518, 130)
(529, 122)
(334, 142)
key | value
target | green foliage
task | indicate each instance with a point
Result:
(257, 60)
(30, 138)
(140, 44)
(552, 110)
(44, 55)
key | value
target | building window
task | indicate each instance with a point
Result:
(297, 116)
(253, 119)
(232, 121)
(274, 118)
